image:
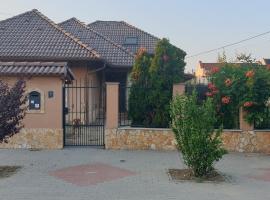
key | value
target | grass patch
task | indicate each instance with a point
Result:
(7, 171)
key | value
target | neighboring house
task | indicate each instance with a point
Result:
(266, 61)
(66, 66)
(204, 69)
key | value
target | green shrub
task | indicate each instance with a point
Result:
(152, 80)
(193, 126)
(167, 68)
(138, 105)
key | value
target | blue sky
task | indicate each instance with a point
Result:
(192, 25)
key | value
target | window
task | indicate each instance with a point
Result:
(34, 100)
(131, 41)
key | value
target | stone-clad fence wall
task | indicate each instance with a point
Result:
(163, 139)
(35, 138)
(244, 140)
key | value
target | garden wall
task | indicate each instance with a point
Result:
(244, 140)
(35, 138)
(163, 139)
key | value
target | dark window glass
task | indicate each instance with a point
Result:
(131, 40)
(34, 100)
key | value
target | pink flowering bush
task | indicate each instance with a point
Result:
(236, 86)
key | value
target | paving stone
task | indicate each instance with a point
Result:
(131, 175)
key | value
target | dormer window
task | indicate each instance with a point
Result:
(34, 100)
(131, 41)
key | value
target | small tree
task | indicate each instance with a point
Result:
(167, 68)
(222, 58)
(193, 126)
(12, 108)
(152, 81)
(138, 98)
(245, 58)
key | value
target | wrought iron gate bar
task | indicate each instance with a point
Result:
(83, 114)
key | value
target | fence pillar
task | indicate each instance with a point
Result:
(112, 103)
(178, 88)
(245, 126)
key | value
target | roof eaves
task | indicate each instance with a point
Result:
(29, 69)
(45, 58)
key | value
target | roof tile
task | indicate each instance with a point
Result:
(35, 69)
(32, 35)
(118, 31)
(110, 51)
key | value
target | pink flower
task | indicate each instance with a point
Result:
(248, 104)
(211, 86)
(250, 74)
(228, 82)
(225, 100)
(215, 70)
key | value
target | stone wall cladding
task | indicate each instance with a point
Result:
(247, 141)
(140, 139)
(35, 138)
(163, 139)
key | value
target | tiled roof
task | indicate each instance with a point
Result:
(35, 69)
(32, 36)
(118, 31)
(209, 66)
(113, 53)
(266, 61)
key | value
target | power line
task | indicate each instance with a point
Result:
(228, 45)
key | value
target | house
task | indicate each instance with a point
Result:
(204, 69)
(266, 61)
(65, 67)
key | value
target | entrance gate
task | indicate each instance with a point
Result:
(83, 115)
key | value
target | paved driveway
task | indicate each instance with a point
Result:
(94, 174)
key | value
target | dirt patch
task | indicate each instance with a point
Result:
(7, 171)
(34, 149)
(187, 175)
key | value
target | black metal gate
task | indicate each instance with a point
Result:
(83, 115)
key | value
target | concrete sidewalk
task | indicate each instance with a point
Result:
(97, 174)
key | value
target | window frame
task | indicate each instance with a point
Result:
(41, 109)
(131, 38)
(34, 96)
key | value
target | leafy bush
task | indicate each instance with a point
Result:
(240, 85)
(12, 108)
(152, 81)
(193, 126)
